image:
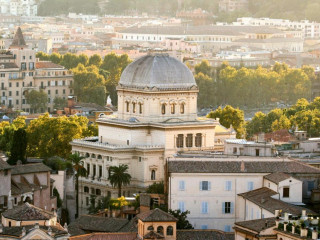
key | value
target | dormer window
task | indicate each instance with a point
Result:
(127, 106)
(182, 108)
(140, 108)
(173, 108)
(134, 107)
(163, 109)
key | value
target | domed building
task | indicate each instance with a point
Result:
(157, 117)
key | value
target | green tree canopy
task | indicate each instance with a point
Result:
(38, 100)
(119, 176)
(182, 223)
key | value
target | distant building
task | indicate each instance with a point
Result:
(242, 147)
(232, 5)
(19, 7)
(21, 72)
(219, 191)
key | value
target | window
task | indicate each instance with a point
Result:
(257, 152)
(23, 66)
(310, 185)
(64, 91)
(17, 93)
(228, 185)
(286, 192)
(94, 170)
(227, 207)
(10, 84)
(173, 108)
(153, 175)
(140, 159)
(134, 107)
(163, 109)
(227, 228)
(235, 150)
(10, 93)
(205, 186)
(182, 108)
(181, 206)
(170, 230)
(127, 106)
(57, 92)
(204, 207)
(17, 102)
(98, 192)
(86, 189)
(189, 140)
(87, 201)
(250, 186)
(160, 229)
(181, 185)
(88, 169)
(17, 84)
(198, 140)
(204, 227)
(180, 141)
(140, 108)
(100, 171)
(150, 228)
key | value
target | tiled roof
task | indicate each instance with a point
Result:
(47, 64)
(194, 166)
(4, 165)
(29, 168)
(153, 235)
(277, 177)
(106, 236)
(87, 223)
(17, 231)
(156, 215)
(27, 212)
(8, 65)
(18, 39)
(145, 199)
(263, 198)
(258, 225)
(204, 235)
(201, 30)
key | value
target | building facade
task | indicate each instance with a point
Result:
(157, 116)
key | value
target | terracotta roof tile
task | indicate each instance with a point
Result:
(47, 64)
(258, 225)
(106, 236)
(29, 168)
(204, 235)
(156, 215)
(277, 177)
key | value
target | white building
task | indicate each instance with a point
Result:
(157, 117)
(309, 29)
(242, 147)
(19, 7)
(220, 191)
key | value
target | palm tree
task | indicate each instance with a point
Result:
(118, 177)
(80, 171)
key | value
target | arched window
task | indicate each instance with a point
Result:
(173, 108)
(93, 156)
(198, 140)
(87, 155)
(189, 140)
(98, 192)
(127, 106)
(150, 228)
(140, 108)
(182, 108)
(153, 175)
(92, 191)
(163, 109)
(99, 157)
(170, 230)
(86, 189)
(134, 107)
(160, 229)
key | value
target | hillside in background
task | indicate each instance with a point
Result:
(287, 9)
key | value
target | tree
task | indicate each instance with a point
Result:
(92, 207)
(60, 131)
(89, 85)
(19, 147)
(256, 125)
(95, 60)
(38, 100)
(229, 116)
(42, 56)
(55, 58)
(114, 65)
(60, 103)
(182, 223)
(118, 177)
(206, 88)
(156, 188)
(80, 171)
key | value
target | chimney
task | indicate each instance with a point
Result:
(286, 217)
(304, 213)
(276, 213)
(242, 168)
(36, 226)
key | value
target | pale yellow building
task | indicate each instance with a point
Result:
(157, 117)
